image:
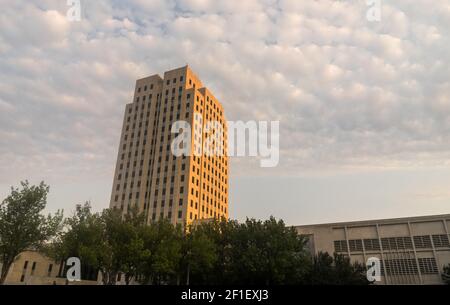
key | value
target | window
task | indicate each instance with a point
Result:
(371, 244)
(33, 268)
(428, 266)
(340, 246)
(25, 265)
(404, 266)
(50, 268)
(404, 243)
(356, 245)
(396, 243)
(422, 242)
(180, 214)
(441, 241)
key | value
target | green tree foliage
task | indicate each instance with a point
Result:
(254, 252)
(125, 247)
(109, 242)
(163, 246)
(446, 274)
(22, 225)
(215, 252)
(199, 256)
(127, 241)
(335, 270)
(83, 237)
(220, 234)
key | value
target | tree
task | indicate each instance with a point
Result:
(348, 273)
(335, 270)
(198, 256)
(82, 237)
(254, 252)
(131, 245)
(266, 253)
(123, 236)
(215, 252)
(162, 254)
(22, 226)
(221, 233)
(446, 274)
(109, 242)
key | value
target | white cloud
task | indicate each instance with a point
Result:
(348, 93)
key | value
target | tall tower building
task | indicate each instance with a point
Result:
(148, 174)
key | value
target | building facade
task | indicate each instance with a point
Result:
(34, 268)
(411, 250)
(149, 175)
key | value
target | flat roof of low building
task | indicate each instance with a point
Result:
(381, 221)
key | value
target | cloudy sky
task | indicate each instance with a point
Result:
(364, 107)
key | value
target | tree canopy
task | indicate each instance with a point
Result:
(446, 274)
(22, 225)
(210, 253)
(213, 252)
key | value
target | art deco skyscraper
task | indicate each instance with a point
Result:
(182, 189)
